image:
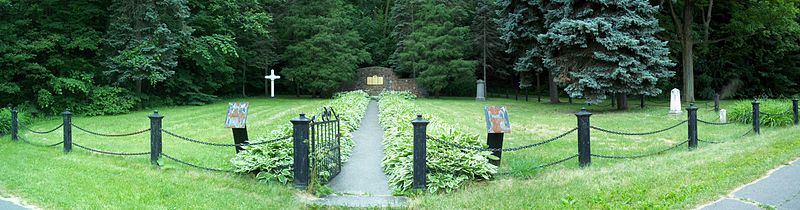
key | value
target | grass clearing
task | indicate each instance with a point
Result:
(676, 179)
(47, 178)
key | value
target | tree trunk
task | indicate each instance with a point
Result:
(484, 61)
(297, 89)
(553, 88)
(687, 44)
(622, 101)
(244, 80)
(139, 93)
(538, 88)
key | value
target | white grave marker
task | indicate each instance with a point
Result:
(723, 116)
(272, 77)
(675, 102)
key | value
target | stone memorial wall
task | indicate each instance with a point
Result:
(377, 79)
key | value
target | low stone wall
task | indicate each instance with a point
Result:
(390, 82)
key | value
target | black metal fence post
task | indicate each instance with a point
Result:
(420, 152)
(67, 131)
(14, 124)
(794, 109)
(155, 137)
(716, 102)
(692, 109)
(756, 117)
(495, 142)
(584, 148)
(301, 160)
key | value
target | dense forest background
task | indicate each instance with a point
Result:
(105, 57)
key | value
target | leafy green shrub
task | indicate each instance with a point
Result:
(774, 112)
(108, 100)
(448, 167)
(5, 119)
(274, 161)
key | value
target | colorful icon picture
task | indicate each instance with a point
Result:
(237, 115)
(497, 119)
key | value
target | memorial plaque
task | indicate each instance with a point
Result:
(375, 80)
(497, 119)
(237, 115)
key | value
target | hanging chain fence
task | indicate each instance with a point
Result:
(640, 156)
(110, 135)
(504, 149)
(778, 114)
(638, 134)
(194, 165)
(223, 145)
(110, 153)
(710, 142)
(714, 123)
(42, 132)
(38, 144)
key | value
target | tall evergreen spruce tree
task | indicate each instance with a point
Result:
(520, 24)
(144, 38)
(403, 15)
(326, 50)
(604, 47)
(486, 39)
(436, 47)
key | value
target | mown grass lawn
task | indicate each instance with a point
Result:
(681, 179)
(676, 179)
(47, 178)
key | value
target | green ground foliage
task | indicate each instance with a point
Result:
(774, 112)
(273, 162)
(449, 168)
(47, 178)
(678, 179)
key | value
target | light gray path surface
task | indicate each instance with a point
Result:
(779, 190)
(7, 205)
(362, 182)
(362, 174)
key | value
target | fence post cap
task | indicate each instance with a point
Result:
(419, 120)
(66, 112)
(691, 107)
(156, 115)
(14, 110)
(301, 118)
(583, 112)
(755, 101)
(794, 98)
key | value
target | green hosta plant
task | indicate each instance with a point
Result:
(775, 112)
(448, 167)
(275, 161)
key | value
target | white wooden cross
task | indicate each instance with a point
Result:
(272, 77)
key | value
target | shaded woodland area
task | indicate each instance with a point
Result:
(106, 57)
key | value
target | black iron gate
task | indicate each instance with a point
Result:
(326, 160)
